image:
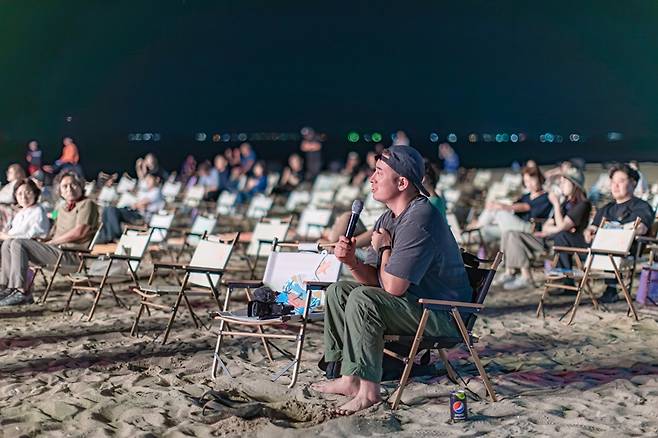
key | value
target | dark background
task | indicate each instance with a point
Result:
(182, 67)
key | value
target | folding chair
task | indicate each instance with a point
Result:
(264, 234)
(126, 184)
(464, 238)
(194, 196)
(126, 200)
(605, 259)
(204, 271)
(480, 280)
(259, 206)
(346, 195)
(125, 260)
(202, 225)
(58, 268)
(170, 190)
(304, 270)
(226, 203)
(298, 198)
(313, 221)
(107, 196)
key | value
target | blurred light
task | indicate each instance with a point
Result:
(394, 136)
(499, 138)
(522, 136)
(138, 137)
(542, 138)
(487, 137)
(514, 138)
(242, 136)
(615, 136)
(434, 137)
(376, 137)
(156, 136)
(549, 137)
(505, 136)
(452, 138)
(353, 137)
(366, 137)
(226, 137)
(216, 138)
(131, 137)
(200, 136)
(574, 137)
(473, 138)
(69, 119)
(147, 136)
(558, 139)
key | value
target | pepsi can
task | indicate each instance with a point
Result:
(458, 406)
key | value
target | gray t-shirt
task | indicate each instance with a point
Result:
(424, 252)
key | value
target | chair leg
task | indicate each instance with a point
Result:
(49, 284)
(474, 355)
(266, 345)
(68, 300)
(181, 293)
(410, 359)
(627, 295)
(133, 330)
(540, 306)
(93, 306)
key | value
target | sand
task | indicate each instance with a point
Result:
(63, 376)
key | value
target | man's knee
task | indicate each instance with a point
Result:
(362, 297)
(337, 289)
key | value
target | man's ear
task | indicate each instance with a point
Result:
(403, 183)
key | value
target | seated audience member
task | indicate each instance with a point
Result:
(565, 229)
(76, 223)
(256, 183)
(247, 158)
(498, 217)
(33, 157)
(187, 170)
(220, 178)
(417, 257)
(367, 170)
(642, 187)
(449, 157)
(204, 178)
(15, 173)
(68, 161)
(624, 209)
(352, 166)
(47, 198)
(429, 182)
(31, 219)
(149, 165)
(149, 201)
(292, 176)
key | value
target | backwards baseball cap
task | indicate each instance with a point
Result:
(407, 162)
(575, 176)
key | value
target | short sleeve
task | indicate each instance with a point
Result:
(579, 213)
(412, 253)
(88, 214)
(645, 213)
(598, 217)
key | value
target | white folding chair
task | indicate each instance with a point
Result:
(202, 278)
(297, 199)
(170, 190)
(265, 232)
(303, 275)
(126, 184)
(259, 206)
(313, 221)
(226, 203)
(346, 195)
(107, 196)
(194, 196)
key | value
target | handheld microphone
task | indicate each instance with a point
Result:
(357, 206)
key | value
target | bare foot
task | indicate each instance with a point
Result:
(346, 385)
(357, 404)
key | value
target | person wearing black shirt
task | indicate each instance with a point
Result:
(569, 221)
(624, 209)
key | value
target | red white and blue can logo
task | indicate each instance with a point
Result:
(458, 406)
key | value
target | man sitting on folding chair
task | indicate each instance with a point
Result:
(417, 257)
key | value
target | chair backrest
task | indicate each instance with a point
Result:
(287, 271)
(171, 189)
(611, 239)
(107, 195)
(160, 224)
(126, 199)
(322, 197)
(133, 244)
(297, 198)
(194, 195)
(259, 206)
(267, 230)
(272, 180)
(346, 195)
(313, 220)
(226, 203)
(210, 254)
(201, 225)
(97, 233)
(126, 184)
(329, 182)
(480, 279)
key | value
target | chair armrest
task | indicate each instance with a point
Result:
(169, 265)
(135, 227)
(610, 252)
(124, 257)
(429, 302)
(243, 283)
(317, 285)
(202, 270)
(646, 239)
(82, 250)
(571, 249)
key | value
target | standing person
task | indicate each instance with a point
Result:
(417, 257)
(449, 157)
(312, 149)
(623, 209)
(76, 223)
(33, 157)
(69, 160)
(247, 158)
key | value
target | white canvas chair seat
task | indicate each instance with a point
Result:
(107, 195)
(202, 226)
(346, 195)
(126, 184)
(304, 274)
(160, 225)
(102, 271)
(264, 234)
(313, 221)
(194, 196)
(126, 200)
(322, 197)
(298, 198)
(259, 206)
(226, 203)
(607, 257)
(329, 182)
(170, 190)
(203, 275)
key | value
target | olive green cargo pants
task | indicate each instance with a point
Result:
(356, 319)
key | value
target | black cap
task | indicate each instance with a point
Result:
(407, 162)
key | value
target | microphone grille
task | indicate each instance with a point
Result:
(357, 206)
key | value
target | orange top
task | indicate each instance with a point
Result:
(70, 154)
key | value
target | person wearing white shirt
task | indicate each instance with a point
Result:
(31, 220)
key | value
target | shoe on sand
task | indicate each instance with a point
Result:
(518, 283)
(16, 298)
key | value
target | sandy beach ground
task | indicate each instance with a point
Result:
(63, 376)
